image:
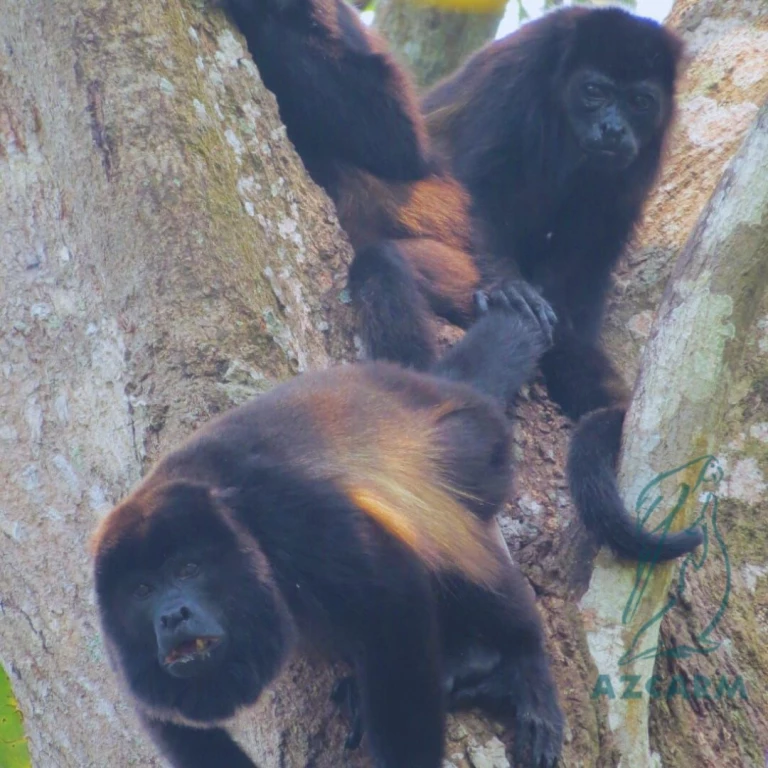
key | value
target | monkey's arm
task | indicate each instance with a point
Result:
(340, 94)
(196, 747)
(398, 670)
(341, 573)
(580, 376)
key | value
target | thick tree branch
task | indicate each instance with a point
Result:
(163, 257)
(677, 421)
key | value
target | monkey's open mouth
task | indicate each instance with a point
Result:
(192, 650)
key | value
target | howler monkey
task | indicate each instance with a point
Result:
(353, 508)
(352, 114)
(557, 132)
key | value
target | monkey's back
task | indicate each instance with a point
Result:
(375, 432)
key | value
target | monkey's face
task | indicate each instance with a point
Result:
(187, 606)
(612, 121)
(177, 600)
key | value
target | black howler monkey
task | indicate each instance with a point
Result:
(352, 114)
(557, 131)
(353, 508)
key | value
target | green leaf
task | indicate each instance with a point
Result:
(13, 744)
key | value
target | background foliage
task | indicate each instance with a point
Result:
(13, 745)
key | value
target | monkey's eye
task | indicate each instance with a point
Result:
(593, 92)
(641, 102)
(188, 571)
(142, 591)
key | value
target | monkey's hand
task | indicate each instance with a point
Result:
(538, 740)
(521, 299)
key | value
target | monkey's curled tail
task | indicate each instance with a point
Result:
(592, 463)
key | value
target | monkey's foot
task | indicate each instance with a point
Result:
(523, 686)
(538, 740)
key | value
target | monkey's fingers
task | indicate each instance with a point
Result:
(531, 306)
(540, 307)
(537, 741)
(481, 302)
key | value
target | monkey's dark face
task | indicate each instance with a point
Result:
(188, 606)
(178, 601)
(612, 121)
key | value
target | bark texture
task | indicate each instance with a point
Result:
(676, 427)
(163, 257)
(430, 41)
(725, 84)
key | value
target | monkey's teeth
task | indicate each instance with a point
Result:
(190, 650)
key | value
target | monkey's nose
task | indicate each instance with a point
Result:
(612, 135)
(171, 619)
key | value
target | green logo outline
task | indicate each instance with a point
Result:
(710, 473)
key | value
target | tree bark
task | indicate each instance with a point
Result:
(163, 257)
(700, 392)
(676, 427)
(430, 41)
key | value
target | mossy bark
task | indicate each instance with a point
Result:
(430, 41)
(163, 257)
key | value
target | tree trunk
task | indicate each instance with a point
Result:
(432, 42)
(701, 392)
(165, 256)
(674, 436)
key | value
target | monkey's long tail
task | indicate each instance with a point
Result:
(592, 464)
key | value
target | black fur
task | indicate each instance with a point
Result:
(353, 116)
(393, 314)
(593, 459)
(340, 97)
(253, 534)
(197, 747)
(558, 179)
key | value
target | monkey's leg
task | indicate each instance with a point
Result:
(339, 93)
(396, 284)
(476, 625)
(447, 276)
(196, 747)
(392, 314)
